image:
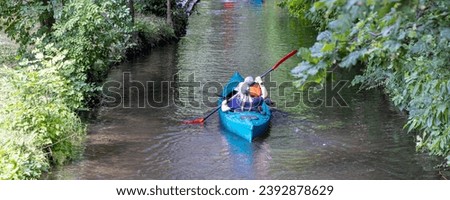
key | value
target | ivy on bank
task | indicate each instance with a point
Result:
(403, 46)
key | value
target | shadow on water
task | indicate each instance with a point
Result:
(142, 137)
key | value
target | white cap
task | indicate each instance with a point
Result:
(242, 88)
(248, 80)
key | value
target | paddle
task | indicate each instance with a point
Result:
(202, 119)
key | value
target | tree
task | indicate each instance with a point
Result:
(404, 48)
(169, 13)
(130, 4)
(20, 19)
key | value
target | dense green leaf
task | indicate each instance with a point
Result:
(327, 47)
(351, 59)
(316, 50)
(404, 48)
(324, 36)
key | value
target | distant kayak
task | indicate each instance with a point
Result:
(246, 124)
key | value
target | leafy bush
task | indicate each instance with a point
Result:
(71, 52)
(155, 7)
(38, 123)
(301, 9)
(20, 157)
(21, 20)
(158, 8)
(404, 48)
(94, 34)
(153, 29)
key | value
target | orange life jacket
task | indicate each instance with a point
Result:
(255, 90)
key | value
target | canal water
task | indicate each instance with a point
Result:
(338, 132)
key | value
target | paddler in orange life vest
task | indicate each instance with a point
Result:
(250, 95)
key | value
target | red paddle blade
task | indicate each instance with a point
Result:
(195, 121)
(284, 59)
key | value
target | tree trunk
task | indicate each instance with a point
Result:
(130, 5)
(134, 34)
(169, 14)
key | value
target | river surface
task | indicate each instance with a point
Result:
(336, 133)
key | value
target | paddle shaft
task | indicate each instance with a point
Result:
(201, 120)
(279, 62)
(211, 113)
(270, 70)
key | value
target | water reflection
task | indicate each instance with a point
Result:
(241, 155)
(257, 2)
(247, 160)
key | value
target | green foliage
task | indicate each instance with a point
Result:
(180, 21)
(301, 9)
(94, 34)
(159, 9)
(404, 47)
(38, 123)
(22, 20)
(20, 157)
(153, 29)
(66, 49)
(155, 7)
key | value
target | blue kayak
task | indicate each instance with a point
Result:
(246, 124)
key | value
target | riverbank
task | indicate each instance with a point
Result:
(152, 31)
(57, 79)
